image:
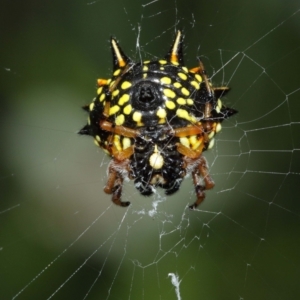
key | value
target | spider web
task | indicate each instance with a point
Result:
(60, 235)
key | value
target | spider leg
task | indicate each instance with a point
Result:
(201, 172)
(115, 182)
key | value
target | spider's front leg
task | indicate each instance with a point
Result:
(115, 181)
(202, 181)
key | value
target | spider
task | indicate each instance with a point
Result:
(155, 118)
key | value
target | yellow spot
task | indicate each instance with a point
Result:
(112, 83)
(108, 81)
(125, 85)
(114, 109)
(193, 139)
(145, 68)
(117, 142)
(218, 110)
(211, 135)
(145, 75)
(185, 92)
(98, 138)
(120, 119)
(170, 104)
(190, 101)
(185, 69)
(211, 144)
(102, 97)
(162, 68)
(127, 109)
(182, 113)
(165, 80)
(175, 63)
(161, 113)
(185, 141)
(177, 85)
(106, 151)
(169, 93)
(218, 127)
(196, 143)
(92, 106)
(89, 121)
(99, 91)
(156, 160)
(219, 103)
(182, 76)
(123, 99)
(195, 84)
(117, 72)
(126, 142)
(198, 77)
(115, 93)
(96, 142)
(146, 62)
(181, 101)
(137, 116)
(162, 62)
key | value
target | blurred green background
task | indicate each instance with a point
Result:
(60, 236)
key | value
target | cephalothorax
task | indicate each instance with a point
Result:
(155, 118)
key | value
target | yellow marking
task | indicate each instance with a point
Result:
(185, 92)
(185, 141)
(127, 109)
(196, 144)
(181, 101)
(176, 63)
(99, 90)
(161, 121)
(146, 62)
(193, 139)
(115, 93)
(106, 151)
(117, 72)
(218, 110)
(161, 113)
(162, 68)
(145, 75)
(114, 109)
(169, 93)
(123, 99)
(145, 68)
(137, 116)
(190, 101)
(165, 80)
(126, 142)
(108, 81)
(98, 138)
(185, 69)
(96, 142)
(218, 127)
(177, 85)
(170, 104)
(117, 142)
(182, 76)
(211, 135)
(182, 113)
(120, 119)
(219, 103)
(162, 62)
(102, 97)
(117, 53)
(112, 83)
(92, 106)
(156, 160)
(211, 144)
(198, 77)
(89, 121)
(125, 85)
(195, 84)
